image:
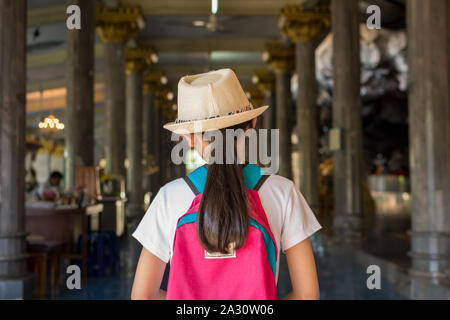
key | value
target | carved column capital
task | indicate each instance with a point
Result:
(279, 56)
(305, 24)
(149, 88)
(117, 25)
(265, 80)
(255, 95)
(154, 80)
(163, 101)
(139, 59)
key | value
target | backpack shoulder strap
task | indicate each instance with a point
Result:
(254, 176)
(196, 180)
(191, 185)
(260, 182)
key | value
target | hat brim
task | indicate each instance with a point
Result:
(214, 123)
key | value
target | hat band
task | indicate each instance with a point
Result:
(247, 108)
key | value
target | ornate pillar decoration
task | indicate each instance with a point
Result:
(348, 160)
(280, 57)
(255, 95)
(304, 26)
(138, 59)
(265, 80)
(165, 99)
(115, 27)
(80, 71)
(151, 122)
(15, 282)
(428, 26)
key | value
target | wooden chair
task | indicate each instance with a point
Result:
(42, 253)
(37, 263)
(58, 230)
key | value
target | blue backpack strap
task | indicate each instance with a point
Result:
(254, 178)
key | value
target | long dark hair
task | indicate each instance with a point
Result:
(223, 217)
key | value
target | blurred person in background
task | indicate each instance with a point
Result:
(51, 190)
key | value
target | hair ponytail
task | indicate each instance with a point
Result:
(223, 217)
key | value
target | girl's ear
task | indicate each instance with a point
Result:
(254, 122)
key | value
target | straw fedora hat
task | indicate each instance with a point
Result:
(211, 101)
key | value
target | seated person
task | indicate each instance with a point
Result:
(51, 190)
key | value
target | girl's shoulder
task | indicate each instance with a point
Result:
(273, 181)
(282, 191)
(177, 192)
(176, 188)
(173, 186)
(278, 183)
(175, 195)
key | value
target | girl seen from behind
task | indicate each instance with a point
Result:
(223, 226)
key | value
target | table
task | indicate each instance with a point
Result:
(61, 223)
(113, 215)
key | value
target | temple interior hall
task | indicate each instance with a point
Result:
(359, 92)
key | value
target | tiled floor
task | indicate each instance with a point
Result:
(338, 277)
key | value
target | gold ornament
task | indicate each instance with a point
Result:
(154, 80)
(280, 56)
(305, 24)
(138, 59)
(265, 80)
(165, 101)
(255, 95)
(117, 25)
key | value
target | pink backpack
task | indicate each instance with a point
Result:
(248, 274)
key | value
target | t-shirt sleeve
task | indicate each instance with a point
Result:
(153, 230)
(299, 220)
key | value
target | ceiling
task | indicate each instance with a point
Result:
(245, 26)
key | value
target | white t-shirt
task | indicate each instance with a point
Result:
(290, 218)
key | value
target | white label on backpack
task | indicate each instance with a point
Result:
(220, 255)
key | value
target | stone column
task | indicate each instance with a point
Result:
(157, 137)
(429, 102)
(281, 58)
(135, 66)
(115, 27)
(266, 82)
(115, 108)
(148, 149)
(161, 133)
(268, 121)
(165, 162)
(152, 137)
(79, 124)
(164, 158)
(15, 283)
(304, 26)
(348, 161)
(255, 95)
(283, 116)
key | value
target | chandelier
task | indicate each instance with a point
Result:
(51, 123)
